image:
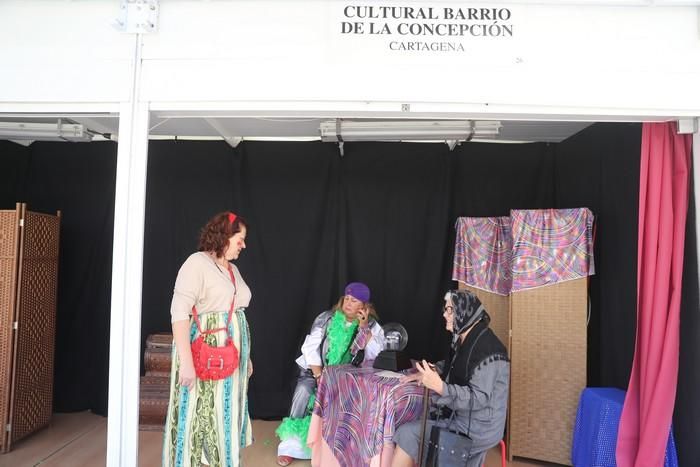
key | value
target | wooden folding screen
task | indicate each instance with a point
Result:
(544, 330)
(548, 369)
(9, 255)
(28, 283)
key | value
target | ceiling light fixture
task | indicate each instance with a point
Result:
(408, 130)
(58, 131)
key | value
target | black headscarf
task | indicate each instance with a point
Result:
(481, 345)
(467, 311)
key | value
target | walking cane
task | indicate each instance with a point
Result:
(422, 430)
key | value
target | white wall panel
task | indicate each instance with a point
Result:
(587, 59)
(634, 58)
(63, 51)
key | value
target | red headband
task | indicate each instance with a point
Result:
(231, 218)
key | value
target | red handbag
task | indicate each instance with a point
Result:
(213, 363)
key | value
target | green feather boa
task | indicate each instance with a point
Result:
(297, 427)
(340, 338)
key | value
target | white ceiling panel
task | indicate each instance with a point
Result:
(216, 126)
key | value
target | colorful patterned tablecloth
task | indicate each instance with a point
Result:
(357, 411)
(483, 249)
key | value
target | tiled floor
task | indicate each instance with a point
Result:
(80, 439)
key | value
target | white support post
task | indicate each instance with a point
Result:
(696, 190)
(127, 267)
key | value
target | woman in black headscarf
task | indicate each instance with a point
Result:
(471, 383)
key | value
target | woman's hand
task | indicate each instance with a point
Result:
(429, 377)
(181, 336)
(362, 314)
(186, 375)
(410, 378)
(250, 368)
(316, 371)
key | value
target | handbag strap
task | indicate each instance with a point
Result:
(230, 311)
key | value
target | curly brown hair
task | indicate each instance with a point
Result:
(215, 234)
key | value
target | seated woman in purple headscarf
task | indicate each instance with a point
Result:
(336, 336)
(471, 383)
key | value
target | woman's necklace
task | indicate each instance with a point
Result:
(219, 265)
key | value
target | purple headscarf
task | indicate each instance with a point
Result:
(358, 290)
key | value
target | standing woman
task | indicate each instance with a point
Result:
(207, 421)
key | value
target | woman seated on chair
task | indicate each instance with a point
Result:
(473, 380)
(347, 332)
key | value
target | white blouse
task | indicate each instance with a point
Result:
(204, 284)
(311, 348)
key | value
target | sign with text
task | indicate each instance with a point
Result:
(425, 29)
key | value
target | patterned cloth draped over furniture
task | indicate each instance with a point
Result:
(539, 310)
(355, 416)
(531, 248)
(596, 428)
(483, 250)
(551, 246)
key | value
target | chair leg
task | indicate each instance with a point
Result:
(502, 444)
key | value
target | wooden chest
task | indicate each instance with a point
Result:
(155, 385)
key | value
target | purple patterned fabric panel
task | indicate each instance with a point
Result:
(550, 246)
(361, 410)
(483, 249)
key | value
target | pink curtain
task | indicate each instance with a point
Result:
(663, 204)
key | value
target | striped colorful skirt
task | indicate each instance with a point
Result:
(209, 424)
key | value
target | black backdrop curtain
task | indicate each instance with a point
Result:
(686, 414)
(384, 214)
(79, 180)
(599, 168)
